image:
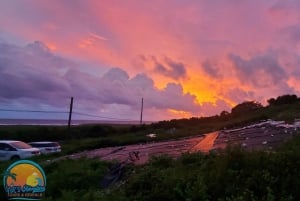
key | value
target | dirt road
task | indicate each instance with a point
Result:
(264, 136)
(173, 148)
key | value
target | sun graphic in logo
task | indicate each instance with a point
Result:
(33, 180)
(24, 180)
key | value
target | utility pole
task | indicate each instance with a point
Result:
(70, 113)
(142, 107)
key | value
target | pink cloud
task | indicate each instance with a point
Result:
(210, 51)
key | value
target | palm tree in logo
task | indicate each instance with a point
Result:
(12, 175)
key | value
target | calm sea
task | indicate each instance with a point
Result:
(62, 122)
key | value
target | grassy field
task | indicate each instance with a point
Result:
(233, 175)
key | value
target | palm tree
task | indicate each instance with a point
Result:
(12, 175)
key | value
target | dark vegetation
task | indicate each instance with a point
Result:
(231, 175)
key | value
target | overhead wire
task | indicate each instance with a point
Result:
(65, 112)
(34, 111)
(103, 117)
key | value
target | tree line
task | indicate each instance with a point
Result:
(249, 106)
(242, 113)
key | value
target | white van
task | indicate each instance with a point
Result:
(46, 147)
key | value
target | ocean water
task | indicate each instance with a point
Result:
(55, 122)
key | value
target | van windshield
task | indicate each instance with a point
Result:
(21, 145)
(50, 144)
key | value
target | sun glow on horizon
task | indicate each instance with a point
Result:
(180, 113)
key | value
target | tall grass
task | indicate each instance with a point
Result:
(233, 175)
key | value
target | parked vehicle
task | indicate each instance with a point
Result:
(46, 147)
(14, 150)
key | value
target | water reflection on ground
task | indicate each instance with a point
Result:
(265, 135)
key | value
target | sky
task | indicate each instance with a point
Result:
(190, 58)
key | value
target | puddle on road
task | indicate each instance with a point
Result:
(206, 144)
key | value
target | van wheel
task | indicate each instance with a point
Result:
(14, 158)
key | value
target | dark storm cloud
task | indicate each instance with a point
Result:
(211, 69)
(169, 68)
(259, 71)
(33, 72)
(172, 97)
(123, 90)
(30, 72)
(178, 69)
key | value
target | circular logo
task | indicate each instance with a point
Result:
(24, 180)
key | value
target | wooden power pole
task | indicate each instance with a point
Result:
(142, 107)
(70, 113)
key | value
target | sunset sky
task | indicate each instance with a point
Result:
(184, 57)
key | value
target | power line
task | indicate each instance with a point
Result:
(64, 112)
(34, 111)
(112, 118)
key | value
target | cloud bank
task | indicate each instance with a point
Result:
(186, 58)
(36, 74)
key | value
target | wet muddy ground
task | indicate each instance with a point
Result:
(173, 148)
(262, 136)
(256, 137)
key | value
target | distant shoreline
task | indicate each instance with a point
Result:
(55, 122)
